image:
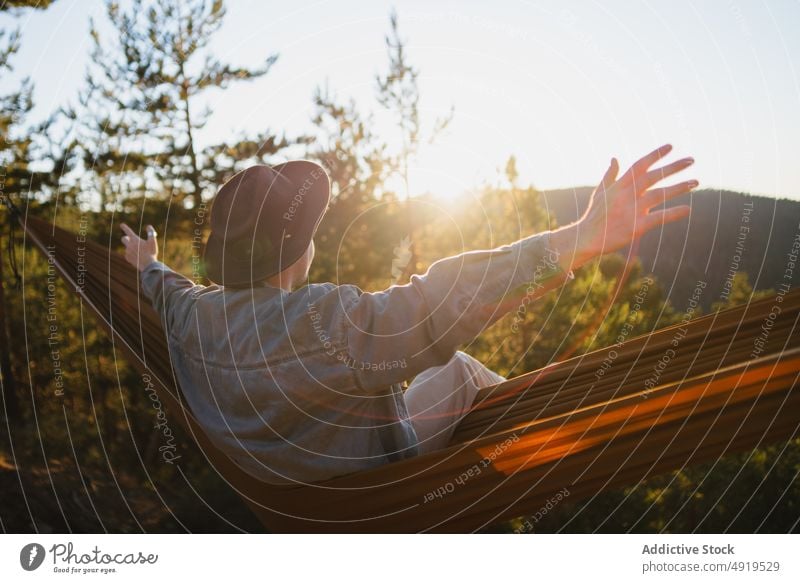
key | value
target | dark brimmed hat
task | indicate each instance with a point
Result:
(263, 219)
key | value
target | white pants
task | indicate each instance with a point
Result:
(439, 397)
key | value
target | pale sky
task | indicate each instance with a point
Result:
(562, 85)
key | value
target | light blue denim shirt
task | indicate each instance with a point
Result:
(306, 385)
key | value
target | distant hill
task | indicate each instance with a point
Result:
(727, 232)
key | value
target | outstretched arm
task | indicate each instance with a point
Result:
(422, 323)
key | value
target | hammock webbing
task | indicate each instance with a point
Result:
(566, 426)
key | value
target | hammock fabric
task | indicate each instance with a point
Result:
(688, 393)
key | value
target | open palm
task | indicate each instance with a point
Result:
(619, 210)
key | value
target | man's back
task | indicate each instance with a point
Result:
(264, 377)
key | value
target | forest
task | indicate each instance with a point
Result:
(81, 448)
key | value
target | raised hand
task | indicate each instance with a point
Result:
(619, 210)
(140, 252)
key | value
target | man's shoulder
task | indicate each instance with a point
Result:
(313, 291)
(327, 297)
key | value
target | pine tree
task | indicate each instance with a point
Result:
(398, 93)
(141, 98)
(357, 162)
(16, 147)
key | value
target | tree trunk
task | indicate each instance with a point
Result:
(8, 388)
(194, 171)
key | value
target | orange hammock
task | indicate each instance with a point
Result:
(722, 383)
